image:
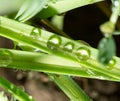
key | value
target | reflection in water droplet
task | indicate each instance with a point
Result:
(36, 33)
(111, 63)
(83, 53)
(5, 58)
(69, 46)
(54, 42)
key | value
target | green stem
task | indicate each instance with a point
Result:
(116, 12)
(108, 27)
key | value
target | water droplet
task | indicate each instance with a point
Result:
(116, 3)
(111, 63)
(30, 97)
(36, 33)
(90, 72)
(5, 58)
(69, 46)
(54, 42)
(83, 53)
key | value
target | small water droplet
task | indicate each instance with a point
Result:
(54, 42)
(90, 72)
(83, 53)
(69, 46)
(30, 97)
(36, 33)
(5, 58)
(111, 63)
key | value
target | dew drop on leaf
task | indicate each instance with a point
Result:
(5, 58)
(83, 53)
(36, 33)
(68, 46)
(111, 63)
(54, 42)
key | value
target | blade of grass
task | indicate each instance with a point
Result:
(69, 87)
(17, 92)
(41, 44)
(44, 63)
(30, 8)
(61, 6)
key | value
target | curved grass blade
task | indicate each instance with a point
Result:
(17, 92)
(30, 8)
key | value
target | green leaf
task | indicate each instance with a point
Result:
(30, 8)
(107, 49)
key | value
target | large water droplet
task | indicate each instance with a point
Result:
(5, 58)
(54, 42)
(69, 46)
(83, 53)
(36, 33)
(111, 63)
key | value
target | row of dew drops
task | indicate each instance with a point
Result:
(82, 53)
(54, 42)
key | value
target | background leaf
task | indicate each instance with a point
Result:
(107, 49)
(30, 8)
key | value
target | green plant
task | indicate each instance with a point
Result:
(55, 55)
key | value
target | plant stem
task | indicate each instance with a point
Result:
(116, 12)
